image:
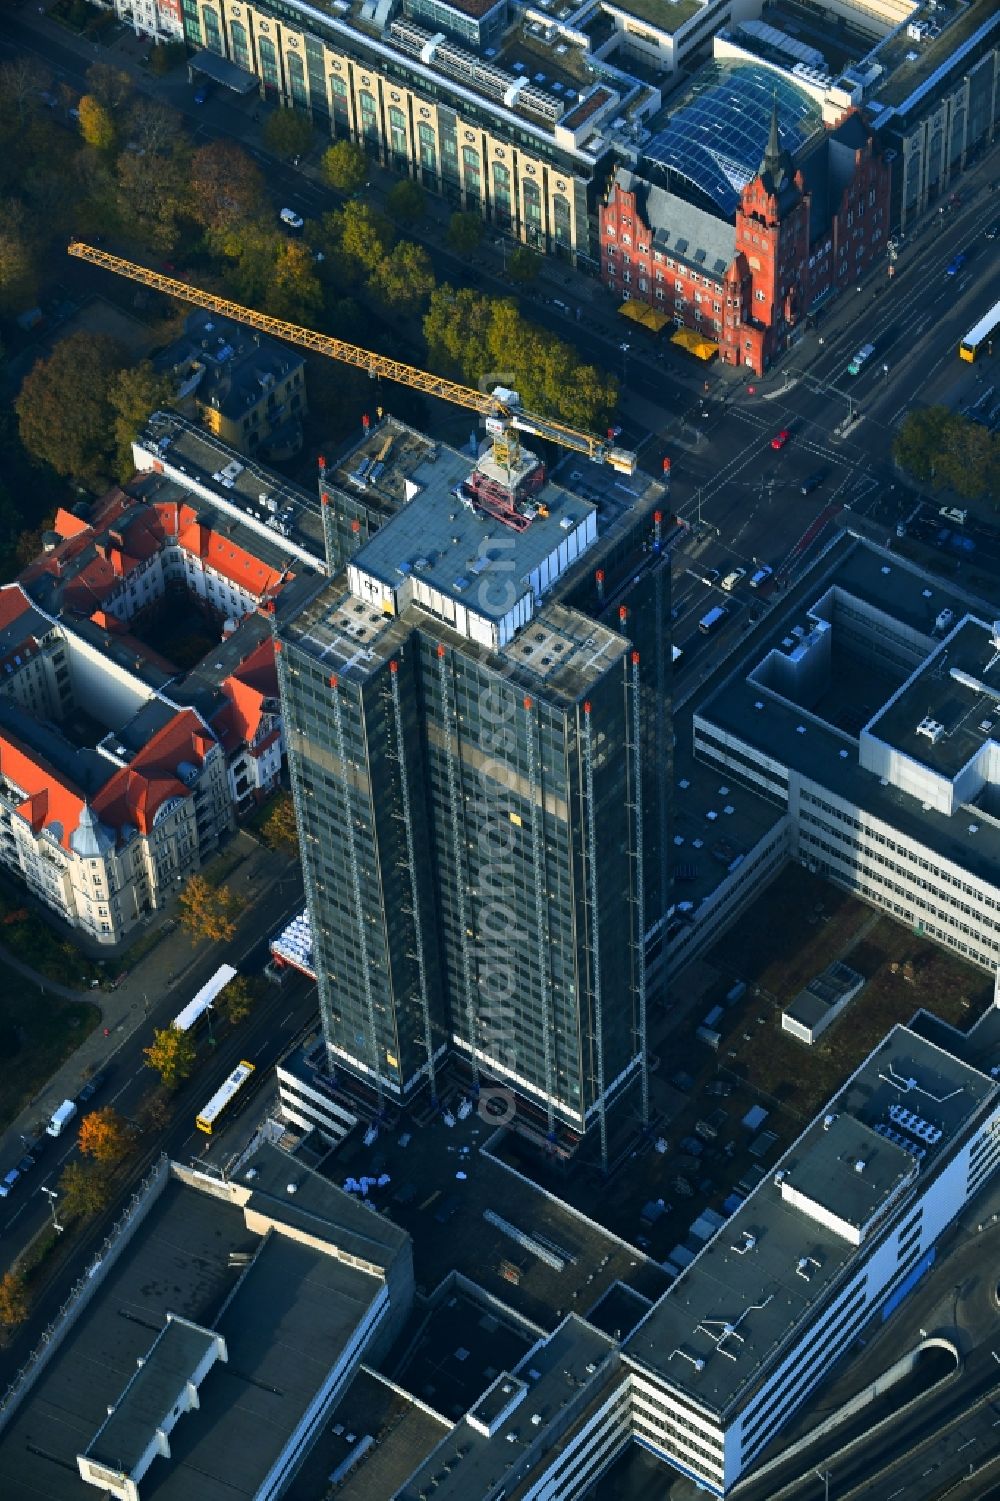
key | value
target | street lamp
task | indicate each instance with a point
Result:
(624, 349)
(52, 1196)
(824, 1475)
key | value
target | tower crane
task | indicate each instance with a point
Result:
(501, 408)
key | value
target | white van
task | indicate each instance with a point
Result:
(732, 579)
(61, 1118)
(954, 514)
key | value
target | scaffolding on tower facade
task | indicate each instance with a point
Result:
(411, 860)
(595, 928)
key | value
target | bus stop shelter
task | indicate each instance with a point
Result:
(221, 71)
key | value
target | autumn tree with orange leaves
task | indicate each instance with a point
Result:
(104, 1135)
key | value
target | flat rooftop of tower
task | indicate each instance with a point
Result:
(727, 1318)
(445, 541)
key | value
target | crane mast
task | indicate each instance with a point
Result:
(501, 409)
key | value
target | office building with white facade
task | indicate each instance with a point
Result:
(863, 720)
(841, 1230)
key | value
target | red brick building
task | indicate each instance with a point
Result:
(800, 234)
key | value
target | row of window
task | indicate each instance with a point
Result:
(875, 836)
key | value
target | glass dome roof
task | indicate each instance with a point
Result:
(716, 139)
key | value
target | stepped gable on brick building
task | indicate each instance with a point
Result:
(805, 227)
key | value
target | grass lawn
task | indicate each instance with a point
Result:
(37, 1032)
(794, 931)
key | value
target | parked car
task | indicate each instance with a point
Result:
(26, 1163)
(780, 439)
(760, 578)
(289, 217)
(691, 1146)
(8, 1182)
(96, 1082)
(446, 1209)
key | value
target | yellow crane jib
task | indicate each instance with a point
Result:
(501, 408)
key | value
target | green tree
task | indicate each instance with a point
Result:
(465, 233)
(471, 336)
(63, 411)
(18, 258)
(14, 1302)
(362, 236)
(97, 125)
(920, 440)
(406, 201)
(227, 188)
(172, 1054)
(207, 911)
(345, 166)
(404, 279)
(523, 265)
(288, 132)
(84, 1188)
(252, 251)
(133, 394)
(969, 459)
(294, 292)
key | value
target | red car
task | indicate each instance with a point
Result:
(781, 439)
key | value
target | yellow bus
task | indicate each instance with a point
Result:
(224, 1097)
(979, 339)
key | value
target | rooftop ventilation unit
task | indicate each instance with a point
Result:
(931, 729)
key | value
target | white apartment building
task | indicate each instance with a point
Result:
(121, 772)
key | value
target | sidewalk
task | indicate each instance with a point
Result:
(160, 973)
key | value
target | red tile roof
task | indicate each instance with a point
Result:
(136, 794)
(49, 797)
(13, 603)
(255, 680)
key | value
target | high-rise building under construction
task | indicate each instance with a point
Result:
(476, 705)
